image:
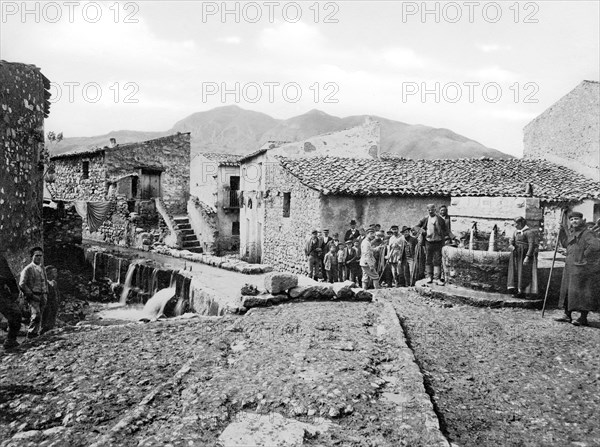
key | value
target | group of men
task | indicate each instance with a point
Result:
(366, 256)
(37, 285)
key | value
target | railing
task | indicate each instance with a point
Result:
(232, 199)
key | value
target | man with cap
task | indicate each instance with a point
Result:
(406, 264)
(433, 227)
(367, 261)
(395, 236)
(9, 293)
(579, 291)
(352, 232)
(312, 252)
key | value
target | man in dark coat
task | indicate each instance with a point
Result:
(9, 293)
(312, 251)
(433, 228)
(352, 232)
(579, 289)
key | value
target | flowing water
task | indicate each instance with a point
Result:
(127, 285)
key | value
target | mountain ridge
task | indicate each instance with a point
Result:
(234, 130)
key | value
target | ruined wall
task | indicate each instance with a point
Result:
(252, 218)
(203, 221)
(357, 142)
(70, 183)
(285, 237)
(62, 226)
(567, 132)
(170, 155)
(337, 211)
(23, 105)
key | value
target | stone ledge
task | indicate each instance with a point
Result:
(224, 263)
(477, 298)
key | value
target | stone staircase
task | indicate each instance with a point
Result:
(190, 241)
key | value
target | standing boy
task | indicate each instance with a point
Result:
(330, 262)
(51, 308)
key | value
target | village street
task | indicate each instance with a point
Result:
(338, 372)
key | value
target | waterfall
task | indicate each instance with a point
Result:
(94, 266)
(127, 285)
(491, 247)
(119, 271)
(153, 282)
(155, 307)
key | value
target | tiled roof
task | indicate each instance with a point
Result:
(223, 159)
(457, 177)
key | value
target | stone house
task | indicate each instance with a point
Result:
(214, 205)
(360, 142)
(300, 194)
(24, 103)
(568, 134)
(139, 190)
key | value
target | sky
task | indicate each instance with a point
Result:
(482, 69)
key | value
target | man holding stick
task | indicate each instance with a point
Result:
(579, 289)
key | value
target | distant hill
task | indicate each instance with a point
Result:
(234, 130)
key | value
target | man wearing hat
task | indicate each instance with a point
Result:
(312, 251)
(433, 227)
(579, 291)
(352, 232)
(406, 264)
(367, 261)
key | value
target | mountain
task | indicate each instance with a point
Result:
(228, 129)
(234, 130)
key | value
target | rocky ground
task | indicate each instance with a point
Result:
(322, 373)
(506, 377)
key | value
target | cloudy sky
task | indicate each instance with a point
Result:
(482, 69)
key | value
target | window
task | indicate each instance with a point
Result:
(235, 228)
(286, 204)
(85, 169)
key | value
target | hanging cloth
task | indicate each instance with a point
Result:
(97, 212)
(81, 208)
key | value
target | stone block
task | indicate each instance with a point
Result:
(344, 293)
(262, 300)
(277, 282)
(337, 286)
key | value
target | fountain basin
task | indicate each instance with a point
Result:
(476, 269)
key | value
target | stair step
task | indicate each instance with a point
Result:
(181, 220)
(187, 232)
(189, 237)
(191, 243)
(184, 227)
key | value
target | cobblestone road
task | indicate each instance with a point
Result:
(341, 367)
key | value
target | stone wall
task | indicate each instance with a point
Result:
(170, 155)
(203, 220)
(567, 132)
(62, 226)
(285, 237)
(24, 104)
(357, 142)
(70, 183)
(337, 211)
(488, 212)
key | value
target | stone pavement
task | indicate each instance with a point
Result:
(308, 373)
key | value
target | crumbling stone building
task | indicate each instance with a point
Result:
(24, 103)
(568, 134)
(214, 205)
(137, 191)
(360, 142)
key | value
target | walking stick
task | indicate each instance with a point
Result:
(562, 213)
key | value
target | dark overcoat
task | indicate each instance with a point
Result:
(582, 271)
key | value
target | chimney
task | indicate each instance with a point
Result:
(113, 142)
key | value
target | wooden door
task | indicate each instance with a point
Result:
(149, 184)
